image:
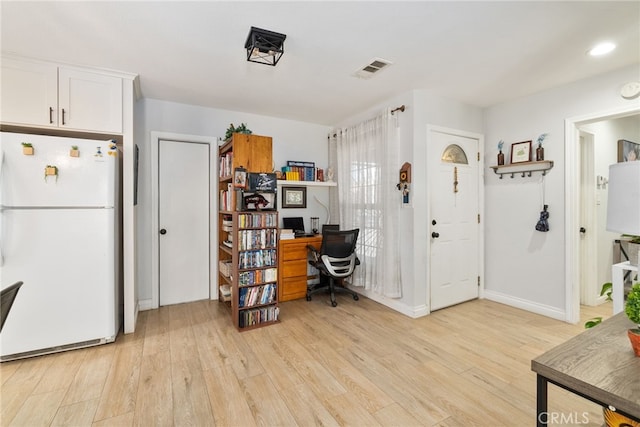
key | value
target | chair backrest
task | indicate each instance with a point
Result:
(7, 297)
(339, 243)
(326, 227)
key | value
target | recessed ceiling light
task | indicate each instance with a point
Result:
(602, 49)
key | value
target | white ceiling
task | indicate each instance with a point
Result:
(480, 53)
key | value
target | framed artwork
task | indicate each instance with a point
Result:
(294, 197)
(240, 178)
(628, 151)
(521, 152)
(258, 201)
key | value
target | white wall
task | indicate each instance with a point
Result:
(292, 140)
(606, 136)
(524, 267)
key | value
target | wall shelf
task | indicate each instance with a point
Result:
(282, 182)
(523, 169)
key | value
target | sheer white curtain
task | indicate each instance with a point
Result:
(366, 159)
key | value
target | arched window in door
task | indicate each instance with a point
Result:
(454, 154)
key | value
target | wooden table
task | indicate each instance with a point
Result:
(599, 365)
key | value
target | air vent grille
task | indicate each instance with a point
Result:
(373, 67)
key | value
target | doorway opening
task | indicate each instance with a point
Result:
(575, 128)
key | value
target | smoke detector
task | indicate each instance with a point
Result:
(375, 66)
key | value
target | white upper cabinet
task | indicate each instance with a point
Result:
(42, 94)
(29, 92)
(89, 101)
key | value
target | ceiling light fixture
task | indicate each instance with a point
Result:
(602, 49)
(264, 46)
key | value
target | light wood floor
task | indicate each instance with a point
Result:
(359, 364)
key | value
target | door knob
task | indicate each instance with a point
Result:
(435, 235)
(163, 231)
(583, 230)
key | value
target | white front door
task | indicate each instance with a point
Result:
(454, 219)
(183, 214)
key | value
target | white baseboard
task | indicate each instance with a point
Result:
(146, 304)
(413, 312)
(544, 310)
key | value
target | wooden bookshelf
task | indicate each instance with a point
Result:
(247, 241)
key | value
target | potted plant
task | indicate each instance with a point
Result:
(27, 149)
(50, 170)
(240, 129)
(606, 289)
(632, 310)
(74, 151)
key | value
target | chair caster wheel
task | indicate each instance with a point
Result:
(356, 297)
(334, 304)
(308, 297)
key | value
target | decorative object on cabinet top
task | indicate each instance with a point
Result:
(240, 129)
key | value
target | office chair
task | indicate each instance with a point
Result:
(336, 260)
(326, 227)
(7, 296)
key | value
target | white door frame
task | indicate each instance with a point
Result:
(480, 138)
(588, 219)
(155, 221)
(572, 203)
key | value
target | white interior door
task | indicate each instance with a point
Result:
(454, 228)
(183, 204)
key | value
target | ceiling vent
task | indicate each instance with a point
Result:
(375, 66)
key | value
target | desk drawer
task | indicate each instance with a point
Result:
(294, 268)
(291, 251)
(292, 288)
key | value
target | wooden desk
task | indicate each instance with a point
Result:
(599, 365)
(292, 266)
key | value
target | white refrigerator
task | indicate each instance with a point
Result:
(59, 234)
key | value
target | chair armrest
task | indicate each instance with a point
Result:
(315, 253)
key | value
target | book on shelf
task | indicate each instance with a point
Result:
(300, 171)
(287, 234)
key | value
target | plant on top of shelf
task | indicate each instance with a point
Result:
(240, 129)
(26, 144)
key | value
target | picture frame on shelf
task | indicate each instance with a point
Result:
(240, 178)
(259, 201)
(521, 152)
(628, 151)
(294, 197)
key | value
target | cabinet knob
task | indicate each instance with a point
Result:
(435, 235)
(583, 230)
(163, 231)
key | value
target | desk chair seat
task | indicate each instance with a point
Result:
(336, 260)
(7, 296)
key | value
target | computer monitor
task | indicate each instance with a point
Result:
(295, 223)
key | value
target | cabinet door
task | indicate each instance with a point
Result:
(29, 92)
(89, 101)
